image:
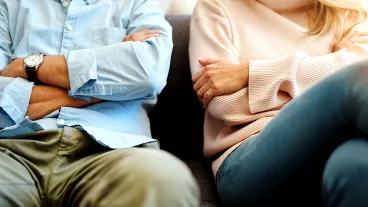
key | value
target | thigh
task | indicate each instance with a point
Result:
(306, 130)
(18, 186)
(245, 178)
(303, 133)
(132, 177)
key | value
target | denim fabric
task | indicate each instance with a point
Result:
(317, 131)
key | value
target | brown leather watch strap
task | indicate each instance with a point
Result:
(32, 75)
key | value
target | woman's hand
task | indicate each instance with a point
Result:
(141, 36)
(219, 78)
(348, 40)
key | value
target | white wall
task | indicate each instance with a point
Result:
(178, 6)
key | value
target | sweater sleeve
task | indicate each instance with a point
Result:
(270, 80)
(210, 35)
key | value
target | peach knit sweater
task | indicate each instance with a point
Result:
(284, 62)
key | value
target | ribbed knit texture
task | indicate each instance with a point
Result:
(284, 62)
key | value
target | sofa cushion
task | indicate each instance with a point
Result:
(177, 119)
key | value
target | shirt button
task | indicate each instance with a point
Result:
(65, 4)
(69, 27)
(61, 121)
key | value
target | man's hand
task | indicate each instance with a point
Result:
(15, 69)
(141, 36)
(348, 40)
(57, 66)
(219, 78)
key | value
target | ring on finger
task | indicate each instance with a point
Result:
(208, 94)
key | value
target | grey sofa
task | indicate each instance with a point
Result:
(177, 119)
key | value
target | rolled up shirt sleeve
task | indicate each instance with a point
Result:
(125, 70)
(5, 39)
(15, 95)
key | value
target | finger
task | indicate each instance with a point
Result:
(153, 32)
(198, 75)
(197, 85)
(135, 37)
(362, 34)
(203, 90)
(207, 61)
(143, 31)
(125, 39)
(147, 36)
(207, 97)
(146, 31)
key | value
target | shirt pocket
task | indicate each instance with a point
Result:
(108, 36)
(40, 40)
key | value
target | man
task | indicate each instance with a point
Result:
(73, 105)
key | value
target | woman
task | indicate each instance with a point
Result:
(251, 58)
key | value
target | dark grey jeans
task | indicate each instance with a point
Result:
(319, 137)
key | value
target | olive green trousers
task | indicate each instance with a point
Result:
(66, 167)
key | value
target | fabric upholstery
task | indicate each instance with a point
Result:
(177, 119)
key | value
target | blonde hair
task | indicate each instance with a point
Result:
(340, 15)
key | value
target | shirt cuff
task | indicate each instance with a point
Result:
(82, 69)
(15, 99)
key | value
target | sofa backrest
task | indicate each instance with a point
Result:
(177, 119)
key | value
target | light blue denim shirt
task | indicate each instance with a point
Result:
(89, 34)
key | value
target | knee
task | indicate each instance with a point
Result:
(356, 76)
(159, 175)
(353, 78)
(158, 167)
(346, 173)
(358, 71)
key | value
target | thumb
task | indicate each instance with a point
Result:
(207, 61)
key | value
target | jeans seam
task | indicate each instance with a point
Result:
(240, 159)
(221, 174)
(223, 170)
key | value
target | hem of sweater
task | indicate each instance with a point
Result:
(218, 162)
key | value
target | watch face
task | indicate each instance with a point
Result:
(33, 60)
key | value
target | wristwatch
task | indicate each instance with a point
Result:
(31, 64)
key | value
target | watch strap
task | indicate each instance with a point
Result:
(32, 75)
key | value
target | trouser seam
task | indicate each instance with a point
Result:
(77, 145)
(57, 157)
(51, 173)
(19, 159)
